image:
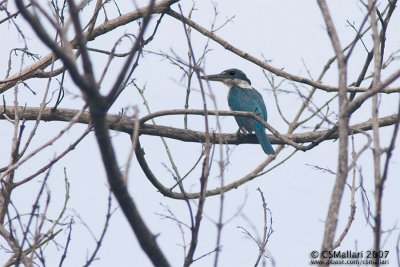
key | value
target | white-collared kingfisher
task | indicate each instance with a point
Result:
(243, 97)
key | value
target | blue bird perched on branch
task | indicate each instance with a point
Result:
(243, 97)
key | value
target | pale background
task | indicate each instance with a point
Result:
(285, 32)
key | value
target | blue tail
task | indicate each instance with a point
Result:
(263, 139)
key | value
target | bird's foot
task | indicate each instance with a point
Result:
(241, 133)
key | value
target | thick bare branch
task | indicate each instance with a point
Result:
(125, 124)
(343, 129)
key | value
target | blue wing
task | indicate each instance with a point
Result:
(250, 100)
(240, 99)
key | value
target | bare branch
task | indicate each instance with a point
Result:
(343, 128)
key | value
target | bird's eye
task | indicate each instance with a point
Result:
(232, 72)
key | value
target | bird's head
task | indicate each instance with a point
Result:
(230, 77)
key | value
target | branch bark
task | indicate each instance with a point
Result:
(343, 128)
(125, 124)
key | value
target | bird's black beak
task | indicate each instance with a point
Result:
(214, 77)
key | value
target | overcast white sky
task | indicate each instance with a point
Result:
(286, 32)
